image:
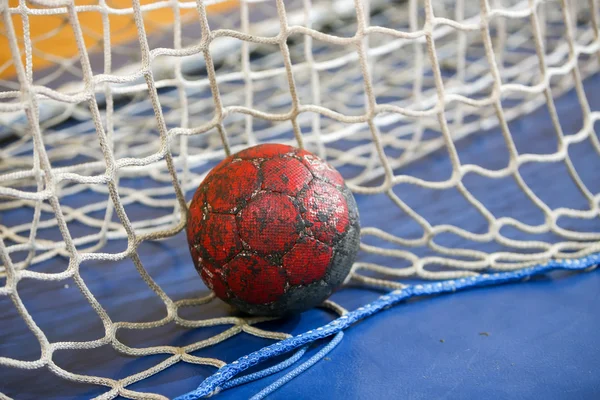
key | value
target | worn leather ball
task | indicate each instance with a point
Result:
(273, 230)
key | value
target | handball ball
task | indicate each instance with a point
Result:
(273, 230)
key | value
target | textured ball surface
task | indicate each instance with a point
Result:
(273, 230)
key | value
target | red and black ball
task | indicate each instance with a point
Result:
(273, 230)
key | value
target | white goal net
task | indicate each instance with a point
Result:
(101, 146)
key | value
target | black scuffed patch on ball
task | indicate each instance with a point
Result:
(296, 299)
(346, 249)
(352, 207)
(344, 255)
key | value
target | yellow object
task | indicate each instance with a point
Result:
(53, 39)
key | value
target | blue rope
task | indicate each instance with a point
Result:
(215, 382)
(266, 372)
(300, 369)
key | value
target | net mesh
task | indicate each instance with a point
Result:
(390, 93)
